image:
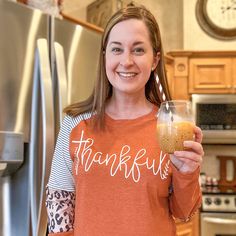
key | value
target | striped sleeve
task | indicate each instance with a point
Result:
(61, 177)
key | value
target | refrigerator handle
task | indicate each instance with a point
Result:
(61, 79)
(43, 91)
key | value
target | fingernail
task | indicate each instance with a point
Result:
(187, 143)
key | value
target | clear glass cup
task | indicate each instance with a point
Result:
(175, 124)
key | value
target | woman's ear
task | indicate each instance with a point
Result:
(156, 60)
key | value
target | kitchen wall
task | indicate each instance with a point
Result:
(76, 8)
(194, 38)
(168, 14)
(211, 164)
(177, 21)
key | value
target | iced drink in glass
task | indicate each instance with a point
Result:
(174, 125)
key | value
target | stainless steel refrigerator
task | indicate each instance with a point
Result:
(45, 64)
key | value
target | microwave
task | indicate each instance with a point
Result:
(215, 114)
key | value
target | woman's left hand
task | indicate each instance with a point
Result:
(189, 160)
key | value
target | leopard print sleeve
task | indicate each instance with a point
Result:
(60, 206)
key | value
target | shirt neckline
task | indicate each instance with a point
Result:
(111, 121)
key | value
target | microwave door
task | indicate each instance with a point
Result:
(215, 114)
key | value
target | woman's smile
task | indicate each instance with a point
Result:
(127, 75)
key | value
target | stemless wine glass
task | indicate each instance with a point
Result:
(175, 125)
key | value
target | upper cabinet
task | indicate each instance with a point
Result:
(169, 65)
(203, 72)
(211, 75)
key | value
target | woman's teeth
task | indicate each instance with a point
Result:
(127, 75)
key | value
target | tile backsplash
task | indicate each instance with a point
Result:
(211, 164)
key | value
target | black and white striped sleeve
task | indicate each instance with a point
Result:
(61, 177)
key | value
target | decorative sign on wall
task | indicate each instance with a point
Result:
(217, 18)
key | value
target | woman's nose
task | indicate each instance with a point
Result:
(127, 59)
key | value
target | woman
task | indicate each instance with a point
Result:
(109, 176)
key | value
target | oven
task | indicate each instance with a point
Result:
(218, 224)
(218, 213)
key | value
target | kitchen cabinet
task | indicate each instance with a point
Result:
(190, 228)
(177, 81)
(211, 75)
(169, 66)
(177, 77)
(203, 72)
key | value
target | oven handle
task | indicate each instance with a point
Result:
(219, 221)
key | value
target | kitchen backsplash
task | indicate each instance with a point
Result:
(211, 164)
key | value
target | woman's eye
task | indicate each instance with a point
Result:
(116, 50)
(138, 51)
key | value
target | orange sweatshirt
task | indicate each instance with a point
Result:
(124, 183)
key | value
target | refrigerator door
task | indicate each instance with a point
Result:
(21, 26)
(60, 84)
(81, 48)
(42, 137)
(22, 196)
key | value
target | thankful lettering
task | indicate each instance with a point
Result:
(85, 156)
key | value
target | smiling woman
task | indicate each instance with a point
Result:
(109, 175)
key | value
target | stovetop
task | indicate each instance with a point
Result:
(218, 199)
(219, 190)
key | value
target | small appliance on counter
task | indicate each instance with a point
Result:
(215, 114)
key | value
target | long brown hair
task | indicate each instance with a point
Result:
(103, 89)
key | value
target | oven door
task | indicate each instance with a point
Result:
(218, 224)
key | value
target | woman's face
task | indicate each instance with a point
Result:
(129, 57)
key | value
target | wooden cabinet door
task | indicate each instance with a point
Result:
(234, 74)
(190, 228)
(170, 75)
(184, 229)
(210, 75)
(185, 232)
